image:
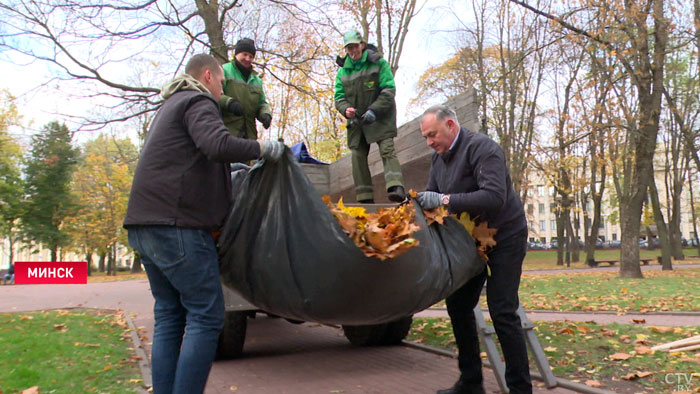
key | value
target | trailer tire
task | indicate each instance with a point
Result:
(396, 331)
(371, 335)
(232, 337)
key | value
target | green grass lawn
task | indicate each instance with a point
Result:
(66, 352)
(604, 291)
(595, 354)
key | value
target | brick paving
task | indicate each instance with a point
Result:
(279, 357)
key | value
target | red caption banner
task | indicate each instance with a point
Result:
(50, 272)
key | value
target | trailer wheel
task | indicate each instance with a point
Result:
(232, 336)
(371, 335)
(397, 330)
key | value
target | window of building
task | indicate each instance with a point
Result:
(541, 208)
(542, 225)
(552, 224)
(540, 191)
(530, 208)
(614, 236)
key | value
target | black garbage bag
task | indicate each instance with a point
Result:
(285, 253)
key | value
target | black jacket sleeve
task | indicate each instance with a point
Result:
(204, 123)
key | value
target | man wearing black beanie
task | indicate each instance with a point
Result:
(243, 100)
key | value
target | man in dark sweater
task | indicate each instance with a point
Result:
(468, 173)
(179, 199)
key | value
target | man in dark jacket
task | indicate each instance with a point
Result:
(468, 173)
(179, 199)
(364, 94)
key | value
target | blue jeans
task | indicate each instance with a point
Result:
(505, 263)
(183, 270)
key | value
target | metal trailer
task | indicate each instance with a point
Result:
(238, 310)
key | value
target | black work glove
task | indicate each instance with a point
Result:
(369, 117)
(266, 119)
(235, 108)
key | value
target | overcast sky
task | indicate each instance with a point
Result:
(427, 44)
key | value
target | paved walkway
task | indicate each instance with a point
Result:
(280, 357)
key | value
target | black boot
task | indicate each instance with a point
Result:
(396, 194)
(464, 388)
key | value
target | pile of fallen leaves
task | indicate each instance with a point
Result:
(482, 234)
(385, 234)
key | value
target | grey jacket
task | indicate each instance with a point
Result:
(183, 177)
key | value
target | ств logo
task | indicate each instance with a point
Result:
(50, 272)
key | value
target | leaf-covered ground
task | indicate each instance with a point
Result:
(66, 352)
(615, 356)
(605, 291)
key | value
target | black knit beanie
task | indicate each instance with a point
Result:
(245, 45)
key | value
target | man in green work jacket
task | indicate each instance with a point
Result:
(364, 94)
(244, 100)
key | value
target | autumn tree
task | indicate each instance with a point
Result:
(119, 53)
(11, 185)
(636, 34)
(387, 22)
(48, 171)
(497, 59)
(101, 186)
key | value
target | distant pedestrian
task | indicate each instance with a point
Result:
(10, 275)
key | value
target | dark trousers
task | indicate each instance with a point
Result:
(505, 265)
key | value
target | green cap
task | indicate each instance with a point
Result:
(352, 37)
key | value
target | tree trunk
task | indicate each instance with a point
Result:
(630, 222)
(54, 253)
(110, 261)
(573, 242)
(209, 12)
(88, 259)
(561, 227)
(661, 228)
(136, 265)
(12, 248)
(101, 264)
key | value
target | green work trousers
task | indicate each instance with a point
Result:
(360, 168)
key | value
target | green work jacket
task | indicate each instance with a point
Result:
(249, 93)
(367, 84)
